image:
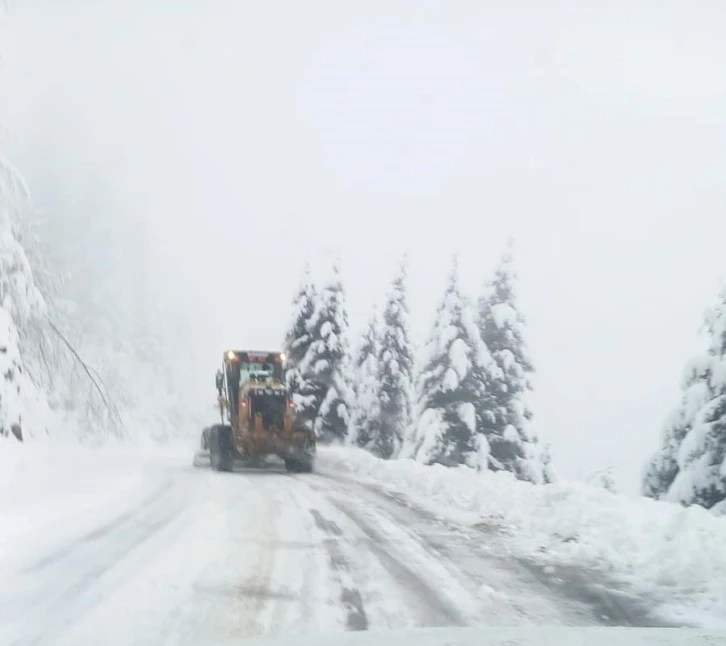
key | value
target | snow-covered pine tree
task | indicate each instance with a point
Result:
(307, 395)
(327, 364)
(395, 371)
(23, 406)
(663, 468)
(504, 413)
(299, 336)
(690, 467)
(364, 420)
(455, 374)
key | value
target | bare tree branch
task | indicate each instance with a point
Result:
(45, 360)
(89, 372)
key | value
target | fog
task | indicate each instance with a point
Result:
(243, 140)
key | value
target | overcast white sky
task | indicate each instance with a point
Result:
(252, 137)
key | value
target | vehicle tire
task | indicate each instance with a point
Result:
(305, 464)
(291, 465)
(299, 465)
(220, 448)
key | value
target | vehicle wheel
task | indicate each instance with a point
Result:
(220, 448)
(291, 465)
(305, 464)
(299, 465)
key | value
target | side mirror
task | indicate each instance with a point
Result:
(219, 381)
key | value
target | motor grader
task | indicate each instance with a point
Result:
(257, 416)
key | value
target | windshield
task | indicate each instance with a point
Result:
(256, 371)
(458, 268)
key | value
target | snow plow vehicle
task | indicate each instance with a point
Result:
(258, 416)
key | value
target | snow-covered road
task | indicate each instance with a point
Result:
(193, 556)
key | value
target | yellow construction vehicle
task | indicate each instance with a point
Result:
(257, 415)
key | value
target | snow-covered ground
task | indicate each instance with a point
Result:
(672, 555)
(131, 545)
(510, 637)
(53, 491)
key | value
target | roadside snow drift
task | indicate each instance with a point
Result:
(675, 556)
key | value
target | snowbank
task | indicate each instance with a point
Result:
(673, 555)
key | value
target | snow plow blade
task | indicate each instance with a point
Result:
(201, 459)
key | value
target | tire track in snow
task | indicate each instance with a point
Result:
(597, 600)
(294, 569)
(585, 598)
(439, 610)
(219, 576)
(350, 597)
(400, 559)
(352, 584)
(254, 588)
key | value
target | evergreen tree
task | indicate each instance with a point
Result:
(365, 418)
(456, 373)
(690, 467)
(395, 372)
(505, 414)
(663, 467)
(299, 336)
(21, 402)
(307, 393)
(326, 367)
